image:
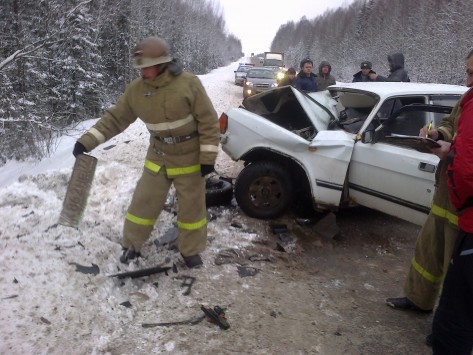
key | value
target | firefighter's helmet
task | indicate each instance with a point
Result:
(151, 51)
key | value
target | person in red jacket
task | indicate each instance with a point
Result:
(453, 321)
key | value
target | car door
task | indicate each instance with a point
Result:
(392, 178)
(395, 180)
(327, 162)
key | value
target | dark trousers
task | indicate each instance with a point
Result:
(453, 321)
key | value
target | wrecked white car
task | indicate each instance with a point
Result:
(335, 147)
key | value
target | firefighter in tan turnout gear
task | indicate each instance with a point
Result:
(184, 139)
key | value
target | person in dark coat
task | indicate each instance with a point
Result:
(396, 69)
(324, 78)
(306, 80)
(364, 73)
(289, 78)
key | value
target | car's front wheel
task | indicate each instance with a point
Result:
(263, 190)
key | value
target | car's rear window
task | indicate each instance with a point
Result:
(243, 69)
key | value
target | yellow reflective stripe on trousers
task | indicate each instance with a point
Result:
(442, 212)
(192, 226)
(425, 274)
(172, 171)
(152, 166)
(139, 221)
(183, 171)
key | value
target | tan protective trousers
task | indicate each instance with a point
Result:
(433, 251)
(148, 202)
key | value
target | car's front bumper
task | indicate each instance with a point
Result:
(249, 91)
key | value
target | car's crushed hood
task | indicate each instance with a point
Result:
(318, 107)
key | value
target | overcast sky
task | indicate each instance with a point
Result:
(255, 23)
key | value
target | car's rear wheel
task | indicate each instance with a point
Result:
(263, 190)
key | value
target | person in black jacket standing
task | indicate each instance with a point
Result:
(396, 69)
(306, 80)
(364, 73)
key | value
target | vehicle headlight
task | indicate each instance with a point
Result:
(280, 75)
(249, 83)
(275, 85)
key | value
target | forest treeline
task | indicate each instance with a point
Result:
(434, 35)
(63, 61)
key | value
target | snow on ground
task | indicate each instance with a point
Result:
(49, 307)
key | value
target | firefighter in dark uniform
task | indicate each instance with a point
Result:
(184, 137)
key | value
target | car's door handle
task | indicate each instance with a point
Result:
(430, 168)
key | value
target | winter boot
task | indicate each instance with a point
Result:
(405, 303)
(129, 254)
(194, 261)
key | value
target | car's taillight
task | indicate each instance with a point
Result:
(223, 120)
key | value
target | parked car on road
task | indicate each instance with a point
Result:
(335, 148)
(240, 73)
(258, 80)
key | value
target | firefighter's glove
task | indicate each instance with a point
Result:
(206, 169)
(79, 149)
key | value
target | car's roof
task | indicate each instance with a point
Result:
(384, 89)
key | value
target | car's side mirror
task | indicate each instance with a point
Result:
(373, 136)
(368, 137)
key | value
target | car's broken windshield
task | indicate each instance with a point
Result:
(294, 110)
(353, 109)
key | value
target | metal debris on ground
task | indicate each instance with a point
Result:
(142, 272)
(126, 304)
(245, 271)
(45, 321)
(286, 243)
(286, 238)
(187, 281)
(278, 228)
(217, 315)
(192, 321)
(327, 227)
(305, 221)
(260, 257)
(9, 297)
(227, 256)
(236, 224)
